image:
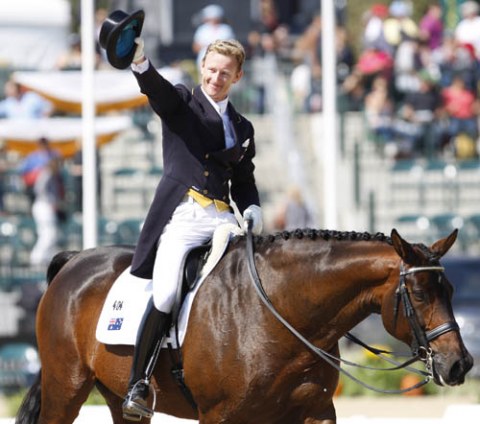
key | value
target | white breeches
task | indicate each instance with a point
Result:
(191, 225)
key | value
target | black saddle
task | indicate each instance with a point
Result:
(192, 264)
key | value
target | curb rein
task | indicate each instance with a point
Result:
(420, 347)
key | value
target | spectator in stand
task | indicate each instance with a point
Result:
(212, 28)
(373, 62)
(461, 108)
(306, 76)
(354, 90)
(416, 128)
(344, 54)
(467, 30)
(262, 49)
(71, 59)
(406, 65)
(22, 103)
(293, 213)
(379, 111)
(266, 23)
(431, 26)
(455, 58)
(399, 26)
(373, 33)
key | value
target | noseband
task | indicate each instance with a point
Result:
(421, 341)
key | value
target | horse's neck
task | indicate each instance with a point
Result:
(336, 287)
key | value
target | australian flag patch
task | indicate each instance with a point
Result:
(115, 324)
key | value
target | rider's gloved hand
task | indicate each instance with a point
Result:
(254, 214)
(139, 55)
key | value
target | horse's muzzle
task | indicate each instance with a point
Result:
(450, 369)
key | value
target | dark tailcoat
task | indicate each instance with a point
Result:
(194, 155)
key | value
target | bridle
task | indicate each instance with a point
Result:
(420, 347)
(421, 340)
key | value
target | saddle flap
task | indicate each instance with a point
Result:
(192, 265)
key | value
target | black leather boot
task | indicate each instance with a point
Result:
(152, 329)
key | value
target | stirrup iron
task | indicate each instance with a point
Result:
(134, 411)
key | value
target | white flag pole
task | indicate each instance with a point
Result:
(329, 116)
(89, 164)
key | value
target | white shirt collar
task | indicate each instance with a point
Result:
(220, 107)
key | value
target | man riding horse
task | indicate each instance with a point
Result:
(208, 149)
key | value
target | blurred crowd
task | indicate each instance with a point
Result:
(414, 80)
(417, 82)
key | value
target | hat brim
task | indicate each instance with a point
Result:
(117, 36)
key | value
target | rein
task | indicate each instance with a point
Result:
(421, 337)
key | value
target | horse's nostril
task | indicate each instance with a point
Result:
(459, 369)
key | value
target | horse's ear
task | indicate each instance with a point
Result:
(442, 246)
(402, 247)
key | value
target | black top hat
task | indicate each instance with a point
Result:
(117, 36)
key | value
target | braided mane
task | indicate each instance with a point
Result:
(314, 234)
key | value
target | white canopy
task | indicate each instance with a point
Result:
(64, 133)
(113, 90)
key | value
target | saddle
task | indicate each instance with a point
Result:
(192, 265)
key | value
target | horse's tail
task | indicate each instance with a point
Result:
(29, 410)
(57, 262)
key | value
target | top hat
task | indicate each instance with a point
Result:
(117, 36)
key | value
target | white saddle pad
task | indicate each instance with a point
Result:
(128, 297)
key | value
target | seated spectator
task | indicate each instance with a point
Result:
(456, 58)
(467, 30)
(379, 111)
(461, 108)
(20, 102)
(344, 54)
(417, 127)
(373, 61)
(293, 213)
(406, 65)
(399, 26)
(431, 26)
(373, 33)
(306, 75)
(71, 59)
(354, 91)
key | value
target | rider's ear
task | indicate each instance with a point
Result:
(402, 247)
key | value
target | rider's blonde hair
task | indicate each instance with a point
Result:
(227, 48)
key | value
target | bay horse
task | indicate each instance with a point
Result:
(241, 364)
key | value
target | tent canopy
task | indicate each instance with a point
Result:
(113, 90)
(64, 133)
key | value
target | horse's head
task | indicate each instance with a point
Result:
(419, 310)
